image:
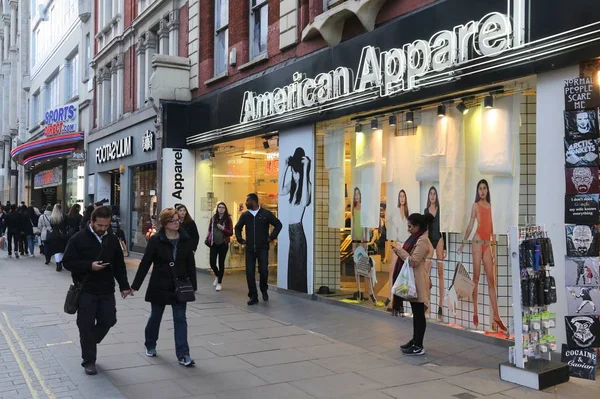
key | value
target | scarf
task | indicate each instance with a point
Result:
(409, 245)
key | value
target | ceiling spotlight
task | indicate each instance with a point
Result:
(410, 117)
(266, 144)
(462, 108)
(358, 128)
(392, 120)
(374, 124)
(488, 102)
(441, 111)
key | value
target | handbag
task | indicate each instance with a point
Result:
(184, 291)
(36, 230)
(462, 283)
(73, 294)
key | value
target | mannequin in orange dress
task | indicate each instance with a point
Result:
(482, 244)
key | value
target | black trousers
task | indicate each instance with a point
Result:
(95, 317)
(262, 256)
(13, 238)
(22, 245)
(219, 251)
(419, 322)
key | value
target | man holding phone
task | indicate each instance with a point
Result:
(95, 258)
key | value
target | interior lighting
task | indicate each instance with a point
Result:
(374, 124)
(266, 144)
(358, 128)
(441, 111)
(410, 117)
(392, 120)
(462, 108)
(488, 102)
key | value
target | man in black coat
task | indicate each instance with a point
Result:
(12, 221)
(94, 257)
(257, 221)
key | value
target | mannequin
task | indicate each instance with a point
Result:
(359, 235)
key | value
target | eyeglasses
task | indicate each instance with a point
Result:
(175, 221)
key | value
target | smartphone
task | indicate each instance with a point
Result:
(105, 264)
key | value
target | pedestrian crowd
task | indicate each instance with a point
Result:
(92, 246)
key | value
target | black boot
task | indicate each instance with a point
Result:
(58, 266)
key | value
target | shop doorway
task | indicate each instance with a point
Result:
(234, 170)
(115, 187)
(143, 205)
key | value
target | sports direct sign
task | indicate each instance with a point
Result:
(61, 120)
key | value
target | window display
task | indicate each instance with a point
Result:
(144, 206)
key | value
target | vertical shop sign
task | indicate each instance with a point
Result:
(178, 174)
(296, 210)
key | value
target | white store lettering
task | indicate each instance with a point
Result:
(392, 72)
(115, 150)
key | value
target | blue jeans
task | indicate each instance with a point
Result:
(31, 243)
(179, 321)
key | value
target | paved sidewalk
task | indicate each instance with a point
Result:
(287, 348)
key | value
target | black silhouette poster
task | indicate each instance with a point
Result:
(582, 180)
(582, 362)
(582, 209)
(581, 124)
(581, 93)
(581, 153)
(583, 331)
(582, 240)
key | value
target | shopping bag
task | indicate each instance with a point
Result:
(405, 286)
(451, 300)
(462, 283)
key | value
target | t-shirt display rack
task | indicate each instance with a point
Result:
(530, 360)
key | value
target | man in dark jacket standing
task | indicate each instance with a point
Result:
(12, 221)
(257, 221)
(94, 256)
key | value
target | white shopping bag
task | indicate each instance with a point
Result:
(452, 300)
(405, 286)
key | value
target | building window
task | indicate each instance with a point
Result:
(57, 20)
(88, 57)
(35, 109)
(72, 78)
(259, 24)
(52, 93)
(221, 35)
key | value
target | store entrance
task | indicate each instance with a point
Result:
(238, 168)
(115, 187)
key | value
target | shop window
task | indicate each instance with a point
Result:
(143, 205)
(407, 180)
(221, 35)
(259, 24)
(229, 172)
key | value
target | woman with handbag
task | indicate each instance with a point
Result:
(172, 282)
(57, 238)
(45, 228)
(414, 254)
(220, 230)
(31, 230)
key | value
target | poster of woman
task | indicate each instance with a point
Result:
(483, 246)
(400, 235)
(297, 189)
(437, 241)
(359, 239)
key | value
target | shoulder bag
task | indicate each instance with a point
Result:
(36, 230)
(184, 291)
(73, 294)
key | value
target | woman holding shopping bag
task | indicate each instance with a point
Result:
(414, 253)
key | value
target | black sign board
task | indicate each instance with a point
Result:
(581, 93)
(581, 153)
(582, 180)
(582, 362)
(50, 196)
(582, 209)
(581, 124)
(583, 331)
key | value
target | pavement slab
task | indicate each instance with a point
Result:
(287, 348)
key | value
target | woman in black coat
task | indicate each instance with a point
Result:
(188, 224)
(171, 252)
(57, 238)
(74, 219)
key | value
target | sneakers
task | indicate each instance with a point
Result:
(90, 369)
(151, 352)
(414, 351)
(218, 287)
(31, 255)
(407, 345)
(216, 282)
(186, 361)
(9, 256)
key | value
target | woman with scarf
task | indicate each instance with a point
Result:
(414, 253)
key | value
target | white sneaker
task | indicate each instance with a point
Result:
(216, 282)
(31, 255)
(218, 288)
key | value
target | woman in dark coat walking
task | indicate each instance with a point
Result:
(188, 224)
(57, 238)
(170, 251)
(74, 219)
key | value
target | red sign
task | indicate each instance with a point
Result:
(54, 129)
